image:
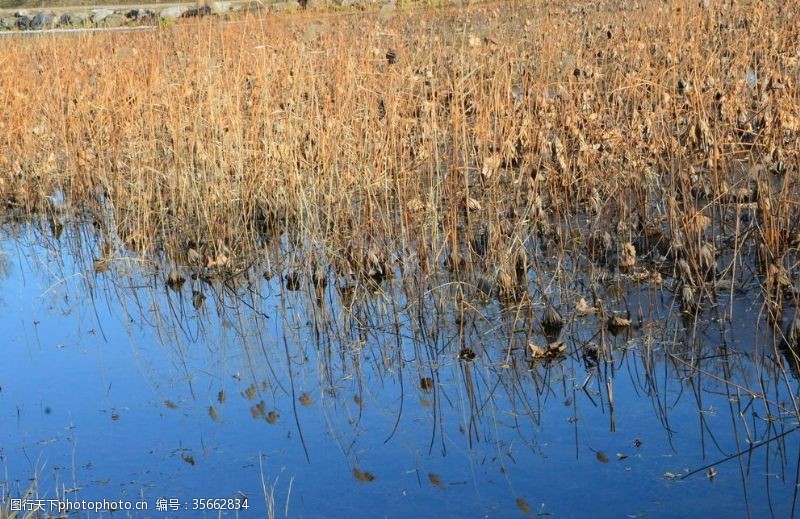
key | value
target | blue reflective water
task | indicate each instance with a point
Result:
(116, 386)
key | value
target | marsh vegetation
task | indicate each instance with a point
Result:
(489, 220)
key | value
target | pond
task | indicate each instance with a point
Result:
(123, 381)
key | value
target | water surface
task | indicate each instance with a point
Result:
(347, 400)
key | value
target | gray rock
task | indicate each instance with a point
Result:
(8, 23)
(114, 20)
(43, 21)
(220, 7)
(79, 19)
(284, 7)
(251, 7)
(172, 13)
(23, 22)
(98, 15)
(142, 15)
(197, 12)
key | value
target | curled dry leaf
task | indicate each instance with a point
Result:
(628, 257)
(415, 205)
(583, 308)
(616, 321)
(473, 205)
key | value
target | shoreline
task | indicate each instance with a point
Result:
(58, 20)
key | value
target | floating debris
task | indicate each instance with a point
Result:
(363, 476)
(251, 392)
(551, 351)
(435, 480)
(258, 411)
(583, 308)
(616, 324)
(523, 506)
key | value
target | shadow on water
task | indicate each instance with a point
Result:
(314, 395)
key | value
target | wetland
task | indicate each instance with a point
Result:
(492, 260)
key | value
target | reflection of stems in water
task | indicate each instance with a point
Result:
(294, 397)
(740, 453)
(400, 363)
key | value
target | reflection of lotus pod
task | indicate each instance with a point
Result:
(197, 299)
(485, 285)
(426, 384)
(552, 320)
(292, 281)
(175, 280)
(792, 333)
(100, 266)
(319, 278)
(467, 354)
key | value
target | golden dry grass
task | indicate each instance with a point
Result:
(483, 139)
